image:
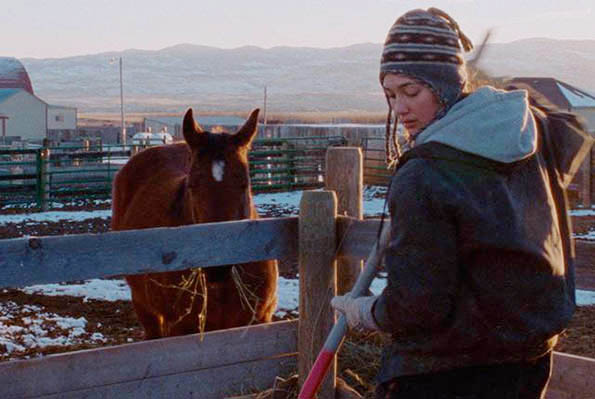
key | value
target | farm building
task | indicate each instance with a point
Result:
(24, 114)
(149, 138)
(172, 124)
(565, 97)
(62, 122)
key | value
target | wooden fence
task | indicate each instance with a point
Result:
(223, 363)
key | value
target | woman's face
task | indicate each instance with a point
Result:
(413, 102)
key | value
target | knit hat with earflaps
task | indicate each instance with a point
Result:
(428, 46)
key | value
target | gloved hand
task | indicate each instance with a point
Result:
(357, 311)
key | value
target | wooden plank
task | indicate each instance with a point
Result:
(344, 175)
(585, 193)
(317, 269)
(573, 375)
(216, 383)
(356, 237)
(137, 362)
(41, 260)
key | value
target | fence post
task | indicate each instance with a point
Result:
(317, 246)
(586, 181)
(43, 194)
(344, 175)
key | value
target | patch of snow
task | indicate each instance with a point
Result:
(590, 236)
(288, 296)
(582, 212)
(107, 290)
(36, 326)
(585, 298)
(54, 216)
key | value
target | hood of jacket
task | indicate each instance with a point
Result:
(490, 123)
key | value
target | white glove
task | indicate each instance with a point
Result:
(357, 311)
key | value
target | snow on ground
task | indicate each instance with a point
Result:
(54, 216)
(40, 329)
(583, 212)
(587, 236)
(289, 201)
(288, 289)
(107, 290)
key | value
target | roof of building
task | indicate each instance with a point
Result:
(7, 93)
(62, 107)
(559, 93)
(13, 75)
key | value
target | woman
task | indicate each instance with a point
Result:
(480, 275)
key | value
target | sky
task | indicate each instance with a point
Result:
(63, 28)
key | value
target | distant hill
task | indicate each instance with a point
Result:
(297, 78)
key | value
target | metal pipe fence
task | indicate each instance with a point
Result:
(39, 177)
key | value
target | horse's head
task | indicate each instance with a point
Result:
(219, 181)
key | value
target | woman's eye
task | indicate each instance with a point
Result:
(412, 92)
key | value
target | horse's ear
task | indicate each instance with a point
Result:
(246, 133)
(193, 133)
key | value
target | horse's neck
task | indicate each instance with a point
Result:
(182, 205)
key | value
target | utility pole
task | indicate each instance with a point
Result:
(123, 132)
(122, 138)
(264, 114)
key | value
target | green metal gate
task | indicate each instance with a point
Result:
(38, 177)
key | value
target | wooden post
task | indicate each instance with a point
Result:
(586, 181)
(344, 175)
(43, 178)
(317, 246)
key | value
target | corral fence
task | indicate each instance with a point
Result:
(68, 173)
(375, 170)
(223, 363)
(284, 157)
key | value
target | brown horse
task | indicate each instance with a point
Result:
(204, 179)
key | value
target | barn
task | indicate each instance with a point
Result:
(24, 115)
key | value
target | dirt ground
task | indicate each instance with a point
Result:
(117, 321)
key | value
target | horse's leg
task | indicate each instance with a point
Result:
(150, 322)
(262, 277)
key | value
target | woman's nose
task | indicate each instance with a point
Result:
(400, 107)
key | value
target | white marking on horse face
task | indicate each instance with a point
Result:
(217, 170)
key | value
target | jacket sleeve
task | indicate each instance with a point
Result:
(421, 259)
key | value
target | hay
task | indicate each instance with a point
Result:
(247, 296)
(195, 285)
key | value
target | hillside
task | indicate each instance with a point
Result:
(297, 78)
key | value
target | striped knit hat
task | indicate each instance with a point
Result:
(427, 45)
